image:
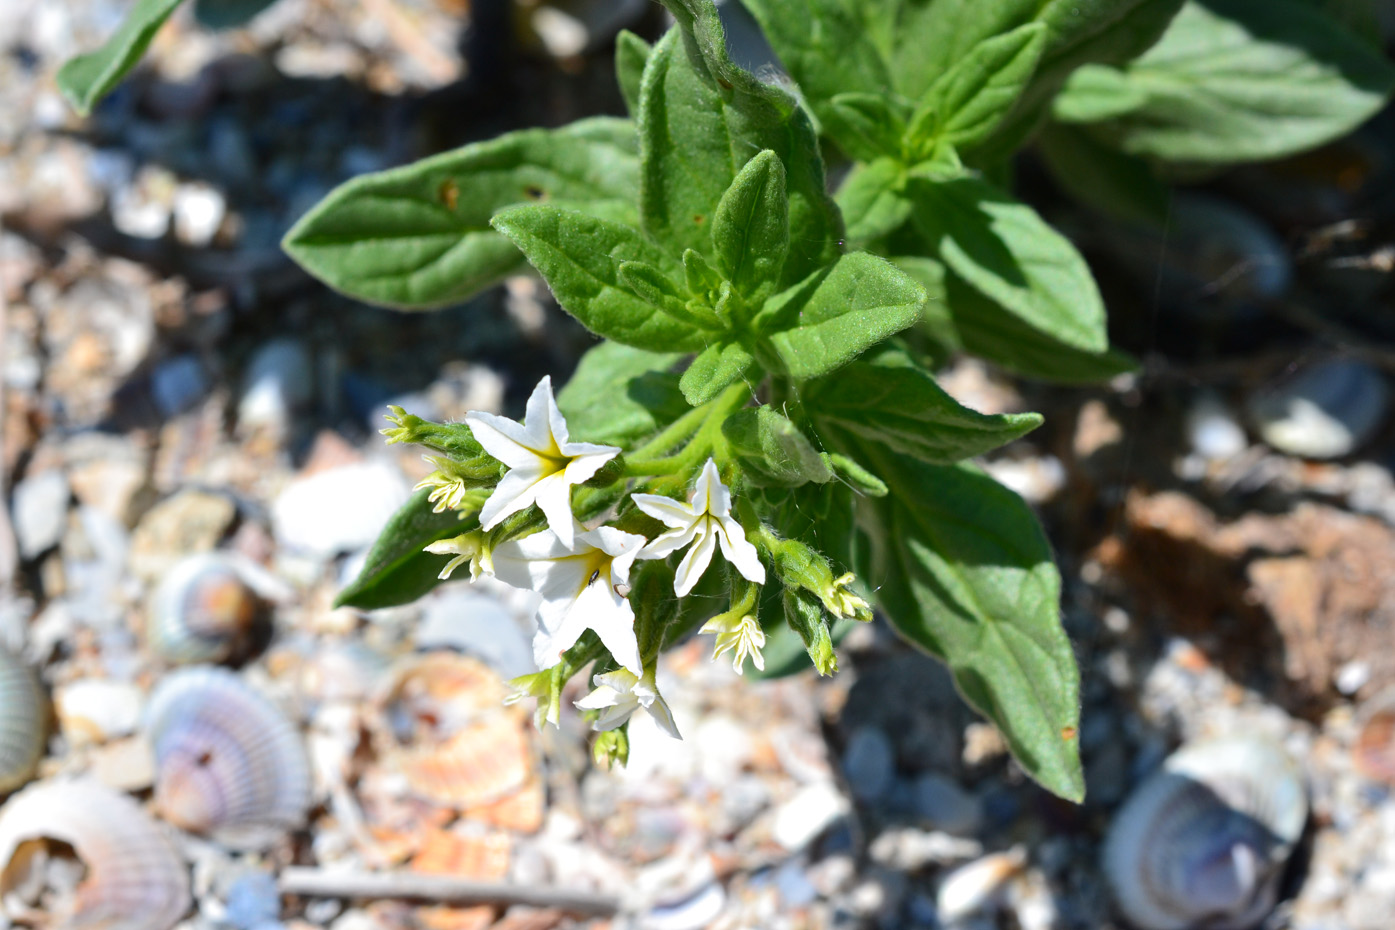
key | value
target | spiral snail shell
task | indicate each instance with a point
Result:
(203, 611)
(1202, 843)
(23, 722)
(134, 880)
(228, 762)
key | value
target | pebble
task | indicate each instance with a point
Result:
(253, 900)
(869, 764)
(1213, 431)
(40, 512)
(1327, 411)
(178, 384)
(464, 619)
(312, 513)
(199, 210)
(278, 386)
(800, 820)
(188, 521)
(946, 806)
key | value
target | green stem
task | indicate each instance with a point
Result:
(703, 428)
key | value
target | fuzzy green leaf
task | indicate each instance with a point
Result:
(701, 119)
(418, 236)
(1244, 80)
(873, 200)
(834, 316)
(890, 400)
(619, 394)
(88, 78)
(631, 55)
(968, 577)
(1095, 93)
(751, 228)
(969, 100)
(1005, 250)
(580, 257)
(867, 126)
(772, 450)
(397, 571)
(716, 367)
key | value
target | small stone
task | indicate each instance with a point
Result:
(1352, 676)
(254, 900)
(189, 521)
(40, 512)
(108, 472)
(1212, 430)
(464, 619)
(142, 209)
(1327, 411)
(199, 210)
(946, 806)
(178, 384)
(869, 763)
(339, 509)
(800, 820)
(279, 385)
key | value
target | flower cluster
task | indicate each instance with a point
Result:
(526, 534)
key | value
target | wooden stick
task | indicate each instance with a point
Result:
(9, 549)
(442, 889)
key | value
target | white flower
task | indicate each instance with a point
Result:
(620, 693)
(705, 522)
(580, 588)
(738, 632)
(467, 547)
(543, 462)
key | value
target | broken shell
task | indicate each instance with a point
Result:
(23, 721)
(203, 611)
(1374, 752)
(135, 878)
(228, 762)
(1204, 841)
(95, 710)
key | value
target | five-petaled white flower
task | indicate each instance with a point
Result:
(620, 693)
(740, 633)
(581, 585)
(543, 462)
(706, 523)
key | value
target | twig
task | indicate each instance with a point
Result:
(9, 553)
(317, 883)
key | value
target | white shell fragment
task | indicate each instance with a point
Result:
(228, 762)
(23, 720)
(1203, 842)
(134, 876)
(202, 611)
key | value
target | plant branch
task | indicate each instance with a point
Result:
(442, 889)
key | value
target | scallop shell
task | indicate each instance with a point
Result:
(228, 762)
(203, 611)
(135, 878)
(1203, 842)
(23, 722)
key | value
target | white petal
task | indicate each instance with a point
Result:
(603, 696)
(623, 548)
(507, 441)
(660, 712)
(671, 541)
(541, 418)
(695, 562)
(554, 497)
(740, 553)
(615, 717)
(665, 509)
(516, 491)
(613, 619)
(587, 461)
(709, 494)
(541, 563)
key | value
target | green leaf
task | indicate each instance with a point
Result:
(836, 315)
(88, 78)
(1244, 80)
(784, 652)
(631, 55)
(968, 578)
(969, 100)
(751, 228)
(228, 14)
(1004, 249)
(1095, 93)
(890, 400)
(873, 200)
(804, 614)
(715, 368)
(419, 236)
(580, 257)
(619, 394)
(867, 126)
(397, 571)
(772, 450)
(1111, 181)
(701, 119)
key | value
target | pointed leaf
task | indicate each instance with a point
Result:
(867, 126)
(631, 55)
(751, 228)
(840, 314)
(715, 368)
(1005, 250)
(772, 450)
(890, 400)
(619, 394)
(873, 200)
(397, 571)
(88, 78)
(419, 236)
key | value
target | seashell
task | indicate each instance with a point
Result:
(480, 764)
(203, 611)
(228, 762)
(1203, 842)
(23, 722)
(978, 886)
(135, 878)
(1373, 755)
(95, 710)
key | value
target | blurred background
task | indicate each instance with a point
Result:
(191, 469)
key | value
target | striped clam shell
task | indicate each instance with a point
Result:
(228, 762)
(135, 878)
(1203, 842)
(23, 722)
(203, 611)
